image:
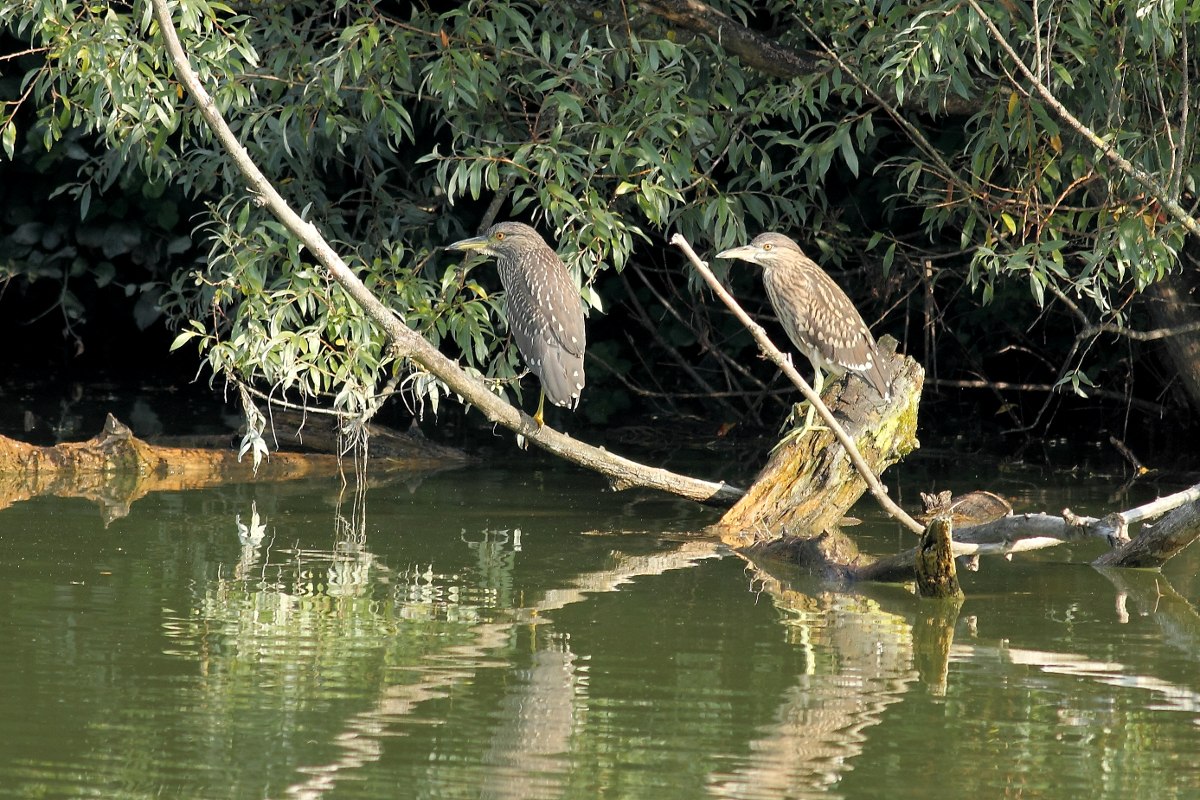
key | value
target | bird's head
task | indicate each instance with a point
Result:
(502, 239)
(766, 249)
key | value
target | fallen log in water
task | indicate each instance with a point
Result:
(115, 468)
(833, 555)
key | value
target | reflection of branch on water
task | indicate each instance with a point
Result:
(861, 661)
(553, 681)
(1172, 696)
(1154, 596)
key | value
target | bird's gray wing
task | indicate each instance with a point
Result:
(546, 320)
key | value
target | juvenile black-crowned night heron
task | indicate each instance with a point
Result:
(544, 311)
(816, 314)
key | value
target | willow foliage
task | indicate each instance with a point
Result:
(393, 125)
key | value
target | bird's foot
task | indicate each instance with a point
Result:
(794, 431)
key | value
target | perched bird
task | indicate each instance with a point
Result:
(544, 311)
(816, 314)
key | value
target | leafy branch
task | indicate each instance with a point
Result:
(1147, 181)
(622, 473)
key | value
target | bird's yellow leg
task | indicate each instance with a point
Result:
(818, 385)
(537, 417)
(809, 424)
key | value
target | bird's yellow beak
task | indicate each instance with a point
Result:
(477, 243)
(746, 252)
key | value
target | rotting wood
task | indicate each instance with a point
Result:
(972, 508)
(809, 483)
(936, 575)
(114, 468)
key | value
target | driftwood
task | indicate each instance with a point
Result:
(834, 556)
(115, 468)
(1159, 542)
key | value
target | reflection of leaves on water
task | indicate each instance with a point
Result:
(497, 552)
(325, 605)
(251, 534)
(251, 538)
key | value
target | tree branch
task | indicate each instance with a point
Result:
(755, 50)
(1004, 386)
(622, 473)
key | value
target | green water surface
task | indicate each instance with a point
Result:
(527, 633)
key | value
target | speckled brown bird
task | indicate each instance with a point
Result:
(816, 314)
(544, 311)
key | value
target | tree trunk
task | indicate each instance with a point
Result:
(1175, 301)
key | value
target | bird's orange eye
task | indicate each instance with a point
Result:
(767, 247)
(499, 237)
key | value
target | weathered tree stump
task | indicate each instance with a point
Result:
(936, 575)
(809, 484)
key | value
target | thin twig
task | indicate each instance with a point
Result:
(780, 360)
(653, 329)
(701, 332)
(665, 395)
(1004, 386)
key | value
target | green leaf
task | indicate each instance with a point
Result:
(849, 155)
(889, 256)
(8, 138)
(182, 339)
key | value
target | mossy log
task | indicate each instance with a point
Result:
(115, 468)
(809, 483)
